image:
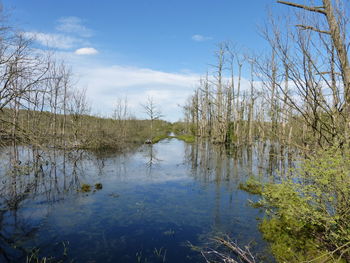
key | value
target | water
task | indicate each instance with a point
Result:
(155, 203)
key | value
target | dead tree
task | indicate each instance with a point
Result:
(152, 111)
(336, 30)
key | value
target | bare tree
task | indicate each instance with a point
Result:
(152, 112)
(335, 51)
(78, 107)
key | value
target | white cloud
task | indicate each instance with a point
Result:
(72, 34)
(73, 25)
(54, 40)
(105, 84)
(86, 51)
(201, 38)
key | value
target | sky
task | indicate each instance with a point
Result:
(136, 49)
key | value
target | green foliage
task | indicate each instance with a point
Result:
(252, 186)
(309, 214)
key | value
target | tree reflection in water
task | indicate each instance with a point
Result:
(41, 176)
(192, 186)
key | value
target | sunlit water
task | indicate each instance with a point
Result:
(155, 203)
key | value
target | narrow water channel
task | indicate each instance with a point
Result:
(155, 202)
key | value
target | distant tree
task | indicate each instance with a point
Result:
(152, 111)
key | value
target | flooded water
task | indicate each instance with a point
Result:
(155, 202)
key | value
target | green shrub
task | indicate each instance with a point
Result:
(309, 213)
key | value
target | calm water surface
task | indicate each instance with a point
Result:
(155, 201)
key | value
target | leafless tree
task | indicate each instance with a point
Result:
(152, 111)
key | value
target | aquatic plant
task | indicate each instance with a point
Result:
(85, 188)
(226, 251)
(34, 257)
(160, 253)
(98, 186)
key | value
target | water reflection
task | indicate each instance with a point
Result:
(150, 154)
(154, 200)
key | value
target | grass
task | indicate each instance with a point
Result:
(159, 138)
(186, 138)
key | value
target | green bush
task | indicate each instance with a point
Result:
(309, 212)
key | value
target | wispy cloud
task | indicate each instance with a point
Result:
(105, 84)
(201, 38)
(73, 25)
(86, 51)
(70, 33)
(52, 40)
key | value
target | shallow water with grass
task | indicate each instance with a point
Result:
(158, 203)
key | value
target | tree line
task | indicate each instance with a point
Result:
(40, 103)
(296, 93)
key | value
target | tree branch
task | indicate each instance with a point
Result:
(303, 27)
(308, 8)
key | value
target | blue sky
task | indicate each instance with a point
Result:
(139, 48)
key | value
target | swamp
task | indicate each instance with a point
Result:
(157, 203)
(124, 141)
